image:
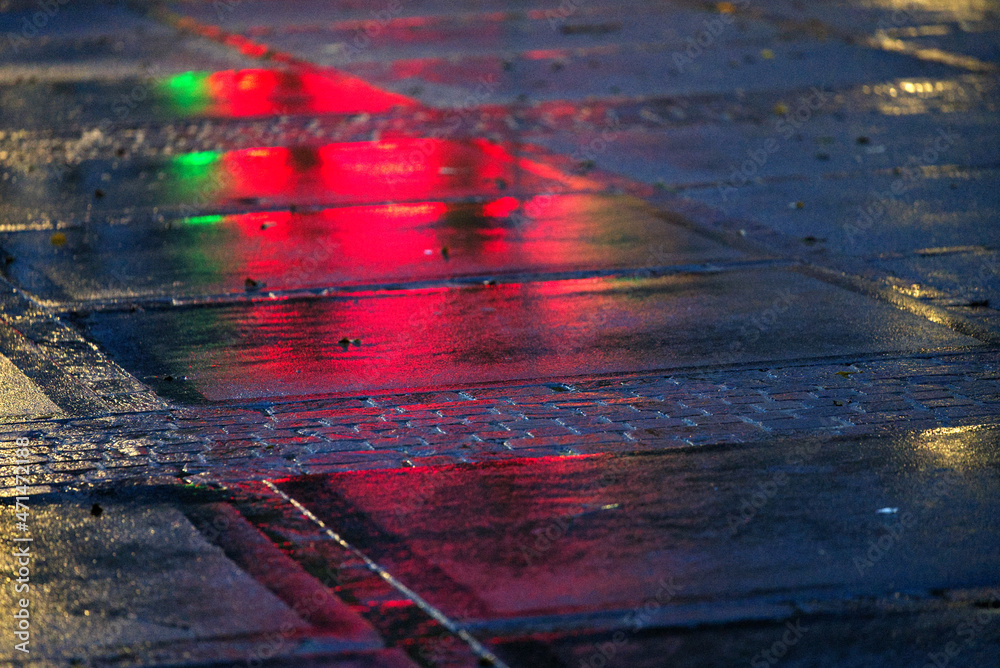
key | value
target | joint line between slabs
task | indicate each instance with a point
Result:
(477, 647)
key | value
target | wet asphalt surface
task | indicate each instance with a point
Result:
(253, 204)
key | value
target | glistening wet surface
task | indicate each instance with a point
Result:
(508, 331)
(199, 183)
(370, 244)
(494, 545)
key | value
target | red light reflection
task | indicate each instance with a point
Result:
(391, 170)
(262, 92)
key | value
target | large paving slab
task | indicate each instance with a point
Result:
(674, 549)
(87, 41)
(965, 638)
(508, 331)
(573, 51)
(782, 525)
(361, 245)
(20, 396)
(130, 576)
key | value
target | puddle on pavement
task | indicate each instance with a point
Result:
(367, 245)
(264, 92)
(436, 337)
(201, 183)
(243, 94)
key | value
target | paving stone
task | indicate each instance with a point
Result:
(229, 440)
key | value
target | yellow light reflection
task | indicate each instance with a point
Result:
(921, 96)
(955, 447)
(958, 10)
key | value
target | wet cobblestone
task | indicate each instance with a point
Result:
(599, 415)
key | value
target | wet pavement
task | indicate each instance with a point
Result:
(496, 333)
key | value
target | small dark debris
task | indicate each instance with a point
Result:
(168, 378)
(501, 184)
(979, 303)
(821, 155)
(864, 140)
(120, 152)
(98, 193)
(252, 285)
(812, 240)
(96, 510)
(445, 253)
(346, 343)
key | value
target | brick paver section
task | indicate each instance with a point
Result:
(267, 440)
